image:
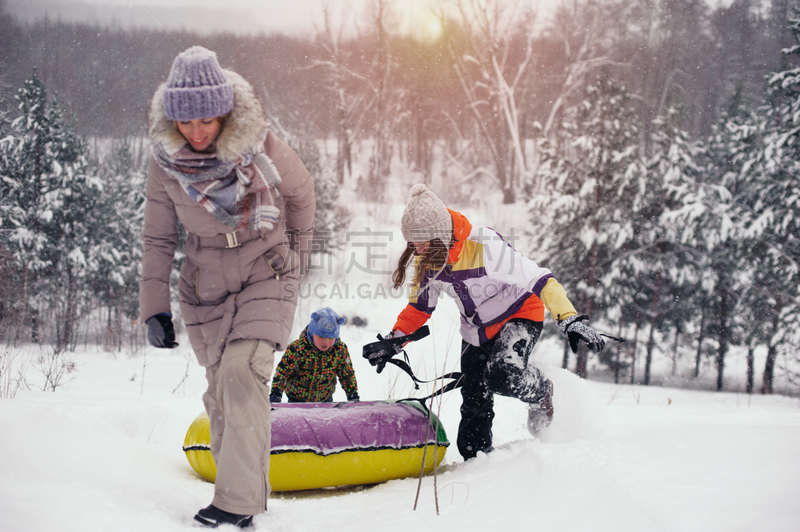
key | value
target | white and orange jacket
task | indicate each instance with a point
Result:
(491, 283)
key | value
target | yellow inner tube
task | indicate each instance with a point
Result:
(291, 471)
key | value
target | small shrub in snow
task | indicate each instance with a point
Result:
(12, 379)
(55, 367)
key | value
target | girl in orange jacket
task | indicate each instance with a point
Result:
(501, 297)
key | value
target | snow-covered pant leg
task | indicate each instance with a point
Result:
(501, 365)
(477, 403)
(509, 370)
(237, 403)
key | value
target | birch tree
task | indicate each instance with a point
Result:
(383, 104)
(584, 30)
(492, 74)
(343, 83)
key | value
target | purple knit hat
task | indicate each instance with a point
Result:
(197, 87)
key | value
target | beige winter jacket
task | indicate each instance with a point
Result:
(226, 293)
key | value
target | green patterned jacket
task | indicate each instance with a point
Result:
(307, 374)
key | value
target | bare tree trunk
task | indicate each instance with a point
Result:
(65, 337)
(769, 370)
(565, 360)
(750, 368)
(591, 280)
(772, 351)
(342, 145)
(700, 339)
(635, 346)
(580, 361)
(723, 338)
(617, 355)
(675, 349)
(653, 323)
(118, 328)
(25, 286)
(650, 345)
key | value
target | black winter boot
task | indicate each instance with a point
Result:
(541, 414)
(212, 517)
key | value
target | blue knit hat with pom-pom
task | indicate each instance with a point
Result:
(325, 323)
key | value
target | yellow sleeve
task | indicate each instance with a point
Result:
(556, 301)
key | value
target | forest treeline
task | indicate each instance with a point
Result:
(497, 75)
(658, 135)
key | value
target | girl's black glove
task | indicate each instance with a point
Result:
(275, 397)
(379, 353)
(576, 331)
(160, 332)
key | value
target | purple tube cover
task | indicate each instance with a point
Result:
(329, 428)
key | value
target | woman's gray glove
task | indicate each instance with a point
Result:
(574, 330)
(160, 332)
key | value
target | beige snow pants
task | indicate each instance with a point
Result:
(237, 403)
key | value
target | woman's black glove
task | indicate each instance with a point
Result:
(160, 332)
(353, 397)
(276, 396)
(574, 330)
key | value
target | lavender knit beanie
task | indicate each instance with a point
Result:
(325, 323)
(197, 87)
(425, 217)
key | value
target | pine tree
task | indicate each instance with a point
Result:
(592, 175)
(116, 252)
(47, 194)
(663, 272)
(708, 222)
(773, 200)
(8, 288)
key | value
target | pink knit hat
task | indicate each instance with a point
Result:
(425, 217)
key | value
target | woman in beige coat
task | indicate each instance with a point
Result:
(247, 204)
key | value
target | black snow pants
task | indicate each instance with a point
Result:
(501, 365)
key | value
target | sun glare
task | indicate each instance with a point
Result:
(427, 27)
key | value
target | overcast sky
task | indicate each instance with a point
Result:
(284, 15)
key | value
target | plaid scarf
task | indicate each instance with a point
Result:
(239, 193)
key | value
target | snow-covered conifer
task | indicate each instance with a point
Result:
(773, 201)
(116, 252)
(45, 209)
(593, 175)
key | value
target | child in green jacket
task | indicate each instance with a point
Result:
(308, 369)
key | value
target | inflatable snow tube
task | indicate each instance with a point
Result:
(319, 445)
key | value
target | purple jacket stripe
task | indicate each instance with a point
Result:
(537, 288)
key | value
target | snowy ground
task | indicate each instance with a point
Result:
(103, 453)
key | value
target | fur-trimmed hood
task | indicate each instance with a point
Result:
(244, 127)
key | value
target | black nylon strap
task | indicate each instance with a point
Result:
(457, 377)
(458, 380)
(403, 363)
